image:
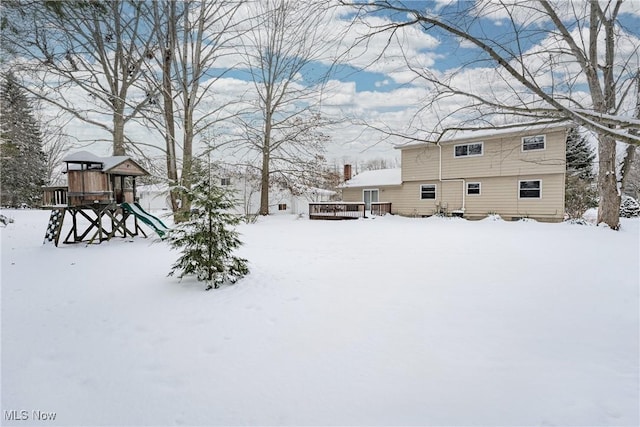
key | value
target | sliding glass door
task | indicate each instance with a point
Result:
(369, 196)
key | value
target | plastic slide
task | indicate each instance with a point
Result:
(147, 218)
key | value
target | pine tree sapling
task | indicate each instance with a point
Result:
(208, 237)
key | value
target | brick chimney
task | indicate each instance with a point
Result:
(347, 172)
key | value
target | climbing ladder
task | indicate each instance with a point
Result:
(54, 227)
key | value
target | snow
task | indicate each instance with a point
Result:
(385, 321)
(375, 177)
(84, 157)
(87, 157)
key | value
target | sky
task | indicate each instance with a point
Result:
(372, 83)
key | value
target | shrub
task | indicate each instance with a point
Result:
(629, 207)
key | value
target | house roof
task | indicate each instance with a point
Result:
(478, 134)
(373, 178)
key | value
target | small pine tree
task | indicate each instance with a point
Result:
(208, 237)
(580, 192)
(22, 159)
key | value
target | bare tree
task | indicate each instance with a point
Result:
(55, 144)
(195, 37)
(63, 49)
(379, 163)
(632, 176)
(630, 157)
(539, 66)
(286, 37)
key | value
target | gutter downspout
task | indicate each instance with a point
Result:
(451, 179)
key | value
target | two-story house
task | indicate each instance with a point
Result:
(515, 173)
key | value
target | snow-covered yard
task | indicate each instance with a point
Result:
(386, 321)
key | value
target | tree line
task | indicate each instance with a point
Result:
(161, 64)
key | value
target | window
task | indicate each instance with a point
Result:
(467, 150)
(225, 181)
(282, 206)
(530, 143)
(427, 191)
(473, 188)
(530, 189)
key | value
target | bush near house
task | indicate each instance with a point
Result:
(629, 207)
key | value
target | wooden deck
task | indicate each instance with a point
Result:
(346, 210)
(336, 210)
(380, 208)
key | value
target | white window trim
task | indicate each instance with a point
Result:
(435, 191)
(479, 189)
(544, 141)
(469, 155)
(530, 198)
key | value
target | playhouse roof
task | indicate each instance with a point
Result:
(82, 157)
(118, 165)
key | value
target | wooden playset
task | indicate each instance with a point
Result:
(100, 198)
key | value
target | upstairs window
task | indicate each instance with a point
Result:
(225, 181)
(473, 188)
(530, 189)
(531, 143)
(468, 150)
(427, 191)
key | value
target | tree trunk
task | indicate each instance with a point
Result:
(609, 204)
(630, 156)
(604, 101)
(266, 159)
(187, 159)
(264, 184)
(118, 133)
(167, 96)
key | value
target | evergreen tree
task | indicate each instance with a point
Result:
(22, 160)
(208, 238)
(580, 191)
(580, 156)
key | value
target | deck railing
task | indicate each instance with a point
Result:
(336, 210)
(380, 208)
(54, 196)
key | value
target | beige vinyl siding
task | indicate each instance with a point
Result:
(420, 163)
(386, 194)
(352, 194)
(409, 203)
(502, 156)
(501, 195)
(498, 195)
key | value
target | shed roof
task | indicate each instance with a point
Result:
(380, 177)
